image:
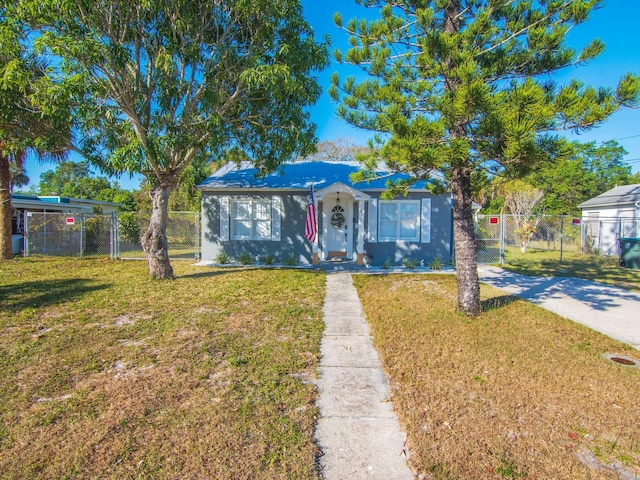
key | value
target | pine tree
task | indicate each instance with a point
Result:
(466, 85)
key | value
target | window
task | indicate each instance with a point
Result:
(251, 219)
(399, 220)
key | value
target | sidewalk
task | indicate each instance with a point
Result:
(610, 310)
(358, 431)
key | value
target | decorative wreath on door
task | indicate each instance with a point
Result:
(337, 216)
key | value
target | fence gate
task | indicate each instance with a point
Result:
(69, 234)
(489, 238)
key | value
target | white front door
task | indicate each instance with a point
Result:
(337, 226)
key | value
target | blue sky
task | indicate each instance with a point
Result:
(616, 24)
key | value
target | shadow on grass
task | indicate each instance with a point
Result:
(44, 293)
(497, 302)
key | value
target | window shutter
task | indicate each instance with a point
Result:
(224, 219)
(425, 221)
(372, 227)
(276, 209)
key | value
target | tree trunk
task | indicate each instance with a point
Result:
(154, 240)
(465, 246)
(5, 209)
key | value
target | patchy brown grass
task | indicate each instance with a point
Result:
(516, 393)
(107, 374)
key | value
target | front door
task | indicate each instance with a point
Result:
(337, 226)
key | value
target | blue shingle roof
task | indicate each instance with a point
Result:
(297, 175)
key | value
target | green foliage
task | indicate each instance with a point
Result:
(267, 259)
(410, 263)
(129, 228)
(34, 116)
(387, 263)
(437, 263)
(161, 84)
(291, 260)
(591, 169)
(245, 259)
(461, 87)
(222, 258)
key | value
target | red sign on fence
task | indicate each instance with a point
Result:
(494, 220)
(575, 221)
(70, 221)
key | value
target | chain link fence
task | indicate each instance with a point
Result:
(501, 235)
(69, 234)
(115, 235)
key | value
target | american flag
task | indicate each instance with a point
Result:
(311, 224)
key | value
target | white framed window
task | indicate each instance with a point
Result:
(399, 220)
(250, 219)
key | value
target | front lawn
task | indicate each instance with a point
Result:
(107, 374)
(516, 393)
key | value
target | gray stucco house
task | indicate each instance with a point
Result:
(246, 214)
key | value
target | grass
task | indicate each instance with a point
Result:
(515, 393)
(591, 267)
(107, 374)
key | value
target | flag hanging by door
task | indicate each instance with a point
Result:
(311, 224)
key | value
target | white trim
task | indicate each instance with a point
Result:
(425, 221)
(398, 221)
(224, 219)
(372, 228)
(276, 211)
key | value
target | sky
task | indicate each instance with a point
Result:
(616, 24)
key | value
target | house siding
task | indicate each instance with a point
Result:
(292, 222)
(440, 236)
(292, 219)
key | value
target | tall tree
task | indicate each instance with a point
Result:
(34, 118)
(465, 85)
(590, 170)
(168, 80)
(78, 180)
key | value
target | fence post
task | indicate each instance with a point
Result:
(25, 227)
(503, 240)
(81, 231)
(561, 235)
(197, 236)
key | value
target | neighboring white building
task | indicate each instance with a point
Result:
(610, 216)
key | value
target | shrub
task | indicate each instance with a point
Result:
(437, 263)
(129, 228)
(267, 259)
(223, 258)
(291, 261)
(245, 259)
(387, 263)
(410, 263)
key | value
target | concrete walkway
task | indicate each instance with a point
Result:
(358, 431)
(607, 309)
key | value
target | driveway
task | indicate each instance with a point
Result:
(610, 310)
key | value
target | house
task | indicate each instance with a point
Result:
(21, 205)
(610, 216)
(243, 213)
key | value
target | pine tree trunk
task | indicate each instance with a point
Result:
(154, 240)
(5, 209)
(464, 233)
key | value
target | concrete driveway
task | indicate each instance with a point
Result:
(610, 310)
